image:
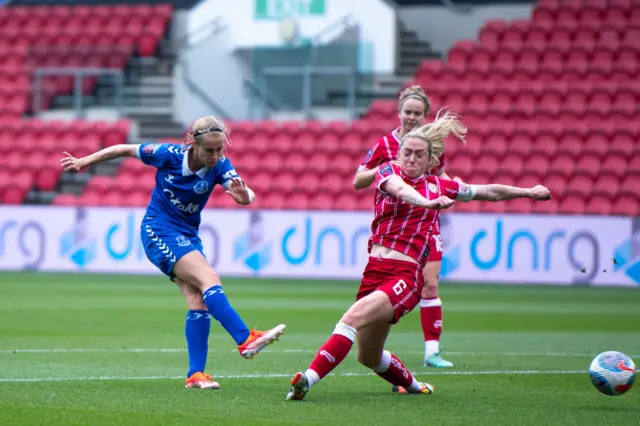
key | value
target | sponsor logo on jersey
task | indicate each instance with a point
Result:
(150, 149)
(189, 209)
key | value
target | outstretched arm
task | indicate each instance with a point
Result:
(71, 164)
(397, 187)
(496, 192)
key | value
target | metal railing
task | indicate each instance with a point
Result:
(307, 73)
(265, 94)
(78, 75)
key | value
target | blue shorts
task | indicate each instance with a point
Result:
(164, 246)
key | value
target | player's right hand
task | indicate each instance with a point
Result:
(540, 192)
(70, 163)
(441, 203)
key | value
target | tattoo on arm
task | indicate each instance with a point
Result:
(411, 199)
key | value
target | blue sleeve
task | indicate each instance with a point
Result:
(153, 154)
(226, 173)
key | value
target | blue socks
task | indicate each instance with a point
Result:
(196, 330)
(216, 302)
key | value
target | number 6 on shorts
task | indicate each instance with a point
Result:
(399, 287)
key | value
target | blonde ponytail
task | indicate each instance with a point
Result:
(434, 134)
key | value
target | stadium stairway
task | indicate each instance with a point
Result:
(148, 101)
(412, 51)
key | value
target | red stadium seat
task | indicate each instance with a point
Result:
(522, 205)
(570, 145)
(275, 201)
(100, 184)
(47, 179)
(489, 207)
(572, 205)
(606, 186)
(562, 165)
(626, 206)
(598, 205)
(547, 207)
(321, 202)
(13, 195)
(614, 165)
(630, 186)
(544, 146)
(588, 165)
(580, 186)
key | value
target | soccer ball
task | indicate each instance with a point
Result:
(612, 373)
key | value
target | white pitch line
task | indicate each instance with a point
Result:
(293, 351)
(281, 375)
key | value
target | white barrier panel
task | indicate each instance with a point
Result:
(538, 249)
(482, 248)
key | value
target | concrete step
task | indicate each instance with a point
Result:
(148, 90)
(156, 80)
(144, 111)
(108, 168)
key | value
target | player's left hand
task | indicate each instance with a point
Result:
(441, 203)
(239, 192)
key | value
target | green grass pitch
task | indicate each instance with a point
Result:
(108, 349)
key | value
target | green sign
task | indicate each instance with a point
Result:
(280, 9)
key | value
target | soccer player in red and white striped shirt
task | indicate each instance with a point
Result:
(406, 205)
(414, 106)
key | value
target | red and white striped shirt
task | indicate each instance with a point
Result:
(386, 149)
(403, 227)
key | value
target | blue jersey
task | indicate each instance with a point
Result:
(180, 194)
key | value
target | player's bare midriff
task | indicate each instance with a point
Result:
(387, 253)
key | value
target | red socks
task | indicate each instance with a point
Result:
(393, 371)
(332, 353)
(431, 318)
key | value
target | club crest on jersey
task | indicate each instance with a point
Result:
(201, 187)
(182, 241)
(432, 187)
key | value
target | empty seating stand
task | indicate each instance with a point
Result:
(70, 36)
(552, 99)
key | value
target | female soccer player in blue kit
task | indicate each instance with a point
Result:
(185, 178)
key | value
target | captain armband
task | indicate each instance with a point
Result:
(466, 192)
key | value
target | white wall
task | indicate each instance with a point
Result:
(217, 72)
(377, 22)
